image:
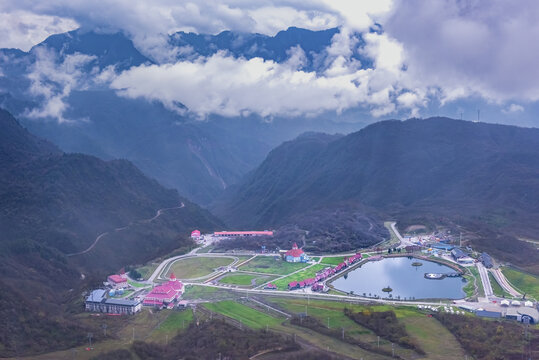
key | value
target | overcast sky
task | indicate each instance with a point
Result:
(431, 53)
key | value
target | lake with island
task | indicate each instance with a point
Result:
(405, 280)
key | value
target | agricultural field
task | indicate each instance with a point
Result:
(196, 267)
(525, 283)
(282, 284)
(268, 265)
(244, 279)
(248, 316)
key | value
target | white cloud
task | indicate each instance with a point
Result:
(448, 49)
(52, 82)
(23, 29)
(227, 86)
(513, 108)
(487, 48)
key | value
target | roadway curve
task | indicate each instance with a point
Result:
(500, 277)
(100, 236)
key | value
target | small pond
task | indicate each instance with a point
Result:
(405, 280)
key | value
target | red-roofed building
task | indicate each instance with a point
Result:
(296, 255)
(117, 281)
(270, 286)
(293, 285)
(195, 234)
(164, 294)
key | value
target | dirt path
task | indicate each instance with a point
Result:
(99, 237)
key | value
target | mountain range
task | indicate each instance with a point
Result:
(198, 157)
(475, 174)
(53, 206)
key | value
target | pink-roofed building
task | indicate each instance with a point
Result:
(164, 294)
(270, 286)
(195, 234)
(117, 281)
(293, 285)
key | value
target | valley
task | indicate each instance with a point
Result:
(256, 306)
(273, 180)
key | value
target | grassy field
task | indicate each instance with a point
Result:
(242, 279)
(136, 284)
(268, 265)
(146, 270)
(282, 284)
(523, 282)
(475, 273)
(238, 279)
(336, 260)
(197, 292)
(248, 316)
(174, 324)
(196, 267)
(432, 336)
(393, 240)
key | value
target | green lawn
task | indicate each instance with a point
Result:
(195, 267)
(242, 279)
(282, 284)
(136, 284)
(523, 282)
(248, 316)
(268, 265)
(334, 260)
(469, 288)
(178, 320)
(238, 279)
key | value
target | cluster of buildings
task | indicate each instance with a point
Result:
(512, 310)
(98, 301)
(315, 283)
(165, 295)
(102, 300)
(486, 260)
(461, 257)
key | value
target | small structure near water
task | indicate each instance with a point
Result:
(438, 276)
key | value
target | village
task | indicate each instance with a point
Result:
(294, 273)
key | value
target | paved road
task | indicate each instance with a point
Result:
(500, 277)
(99, 237)
(483, 274)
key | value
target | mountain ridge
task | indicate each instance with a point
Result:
(483, 175)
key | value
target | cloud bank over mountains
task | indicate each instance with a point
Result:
(389, 57)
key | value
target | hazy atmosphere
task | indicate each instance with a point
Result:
(271, 180)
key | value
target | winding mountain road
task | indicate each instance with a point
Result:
(100, 236)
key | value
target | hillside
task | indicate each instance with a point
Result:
(53, 204)
(473, 173)
(199, 158)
